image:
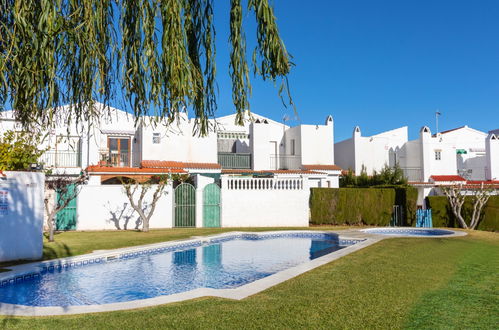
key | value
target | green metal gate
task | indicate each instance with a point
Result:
(211, 205)
(185, 205)
(66, 218)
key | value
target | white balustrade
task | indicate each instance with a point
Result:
(264, 184)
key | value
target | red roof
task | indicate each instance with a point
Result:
(138, 170)
(447, 178)
(174, 164)
(322, 167)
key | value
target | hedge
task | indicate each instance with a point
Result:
(443, 217)
(366, 206)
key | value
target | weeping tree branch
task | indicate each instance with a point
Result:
(159, 53)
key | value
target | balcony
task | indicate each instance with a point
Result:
(115, 159)
(56, 158)
(413, 174)
(234, 160)
(285, 162)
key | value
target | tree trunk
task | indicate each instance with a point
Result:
(145, 224)
(51, 225)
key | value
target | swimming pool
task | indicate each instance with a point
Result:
(409, 231)
(222, 262)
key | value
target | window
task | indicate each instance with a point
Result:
(119, 151)
(156, 138)
(292, 147)
(438, 154)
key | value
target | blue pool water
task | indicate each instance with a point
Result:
(223, 263)
(408, 232)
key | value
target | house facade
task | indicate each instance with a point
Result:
(117, 144)
(462, 151)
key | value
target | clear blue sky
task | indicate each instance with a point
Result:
(380, 64)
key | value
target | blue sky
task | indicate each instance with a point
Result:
(380, 64)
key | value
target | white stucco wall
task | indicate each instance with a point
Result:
(178, 142)
(344, 154)
(104, 206)
(21, 215)
(265, 141)
(317, 144)
(263, 207)
(372, 152)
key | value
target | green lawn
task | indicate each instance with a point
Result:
(397, 283)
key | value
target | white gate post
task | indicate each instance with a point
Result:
(199, 206)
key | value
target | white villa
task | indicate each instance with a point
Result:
(262, 163)
(463, 151)
(457, 156)
(117, 145)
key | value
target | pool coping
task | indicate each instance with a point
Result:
(455, 233)
(234, 293)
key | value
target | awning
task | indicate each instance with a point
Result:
(461, 152)
(117, 132)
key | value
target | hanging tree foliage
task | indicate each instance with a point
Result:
(159, 53)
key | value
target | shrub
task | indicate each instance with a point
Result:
(370, 206)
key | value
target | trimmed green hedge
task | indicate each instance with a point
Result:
(367, 206)
(442, 215)
(408, 197)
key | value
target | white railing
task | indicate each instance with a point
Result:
(285, 162)
(115, 159)
(58, 158)
(234, 160)
(262, 184)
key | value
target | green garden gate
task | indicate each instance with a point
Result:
(211, 205)
(185, 205)
(66, 218)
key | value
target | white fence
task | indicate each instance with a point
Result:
(107, 207)
(245, 202)
(253, 202)
(21, 215)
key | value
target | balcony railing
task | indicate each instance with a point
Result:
(234, 160)
(61, 159)
(113, 159)
(285, 162)
(414, 174)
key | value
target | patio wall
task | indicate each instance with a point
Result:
(107, 207)
(250, 202)
(21, 215)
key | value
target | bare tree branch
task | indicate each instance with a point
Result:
(144, 187)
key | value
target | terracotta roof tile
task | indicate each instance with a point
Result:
(438, 178)
(141, 170)
(179, 165)
(322, 167)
